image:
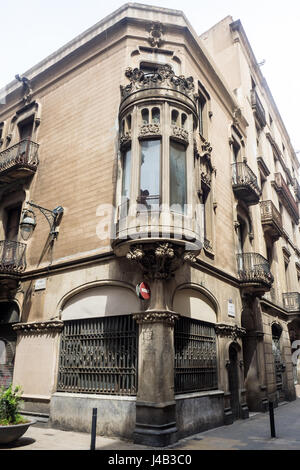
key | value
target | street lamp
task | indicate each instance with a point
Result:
(27, 224)
(28, 221)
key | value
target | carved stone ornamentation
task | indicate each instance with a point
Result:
(27, 90)
(125, 139)
(180, 133)
(38, 327)
(232, 331)
(168, 317)
(156, 31)
(159, 260)
(149, 129)
(164, 77)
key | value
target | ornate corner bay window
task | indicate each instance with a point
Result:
(156, 189)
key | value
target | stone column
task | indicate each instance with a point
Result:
(155, 405)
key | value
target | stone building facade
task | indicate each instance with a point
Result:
(149, 226)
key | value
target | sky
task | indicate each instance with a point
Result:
(33, 29)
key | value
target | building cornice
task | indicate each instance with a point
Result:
(130, 12)
(237, 26)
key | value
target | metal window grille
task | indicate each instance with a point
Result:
(195, 356)
(99, 355)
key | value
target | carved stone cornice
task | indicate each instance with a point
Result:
(231, 331)
(38, 327)
(156, 316)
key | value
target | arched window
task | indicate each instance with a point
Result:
(155, 116)
(145, 116)
(178, 190)
(128, 120)
(174, 117)
(183, 120)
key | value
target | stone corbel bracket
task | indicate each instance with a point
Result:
(231, 331)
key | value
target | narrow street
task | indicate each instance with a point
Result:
(249, 434)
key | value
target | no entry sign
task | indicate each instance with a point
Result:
(143, 291)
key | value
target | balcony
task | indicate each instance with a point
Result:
(18, 161)
(258, 109)
(244, 184)
(286, 196)
(12, 257)
(296, 188)
(291, 302)
(271, 220)
(254, 272)
(148, 220)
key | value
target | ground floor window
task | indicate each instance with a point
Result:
(99, 355)
(195, 356)
(8, 339)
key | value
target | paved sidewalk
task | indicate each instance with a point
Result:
(250, 434)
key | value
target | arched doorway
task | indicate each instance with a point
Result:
(9, 315)
(233, 381)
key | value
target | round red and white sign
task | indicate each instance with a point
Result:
(143, 291)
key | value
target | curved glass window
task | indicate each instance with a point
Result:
(150, 174)
(126, 181)
(177, 176)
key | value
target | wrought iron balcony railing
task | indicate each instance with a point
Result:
(286, 196)
(12, 257)
(19, 160)
(258, 108)
(291, 301)
(271, 219)
(244, 183)
(253, 268)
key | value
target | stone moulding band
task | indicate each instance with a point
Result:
(37, 327)
(156, 316)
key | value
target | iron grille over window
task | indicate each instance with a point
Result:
(99, 355)
(195, 356)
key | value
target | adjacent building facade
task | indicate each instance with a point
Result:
(149, 231)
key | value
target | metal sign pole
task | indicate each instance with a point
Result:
(94, 426)
(272, 421)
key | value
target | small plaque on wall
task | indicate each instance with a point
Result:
(40, 284)
(231, 308)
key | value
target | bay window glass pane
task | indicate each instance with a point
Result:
(126, 174)
(177, 175)
(126, 178)
(150, 174)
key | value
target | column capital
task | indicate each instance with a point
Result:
(156, 316)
